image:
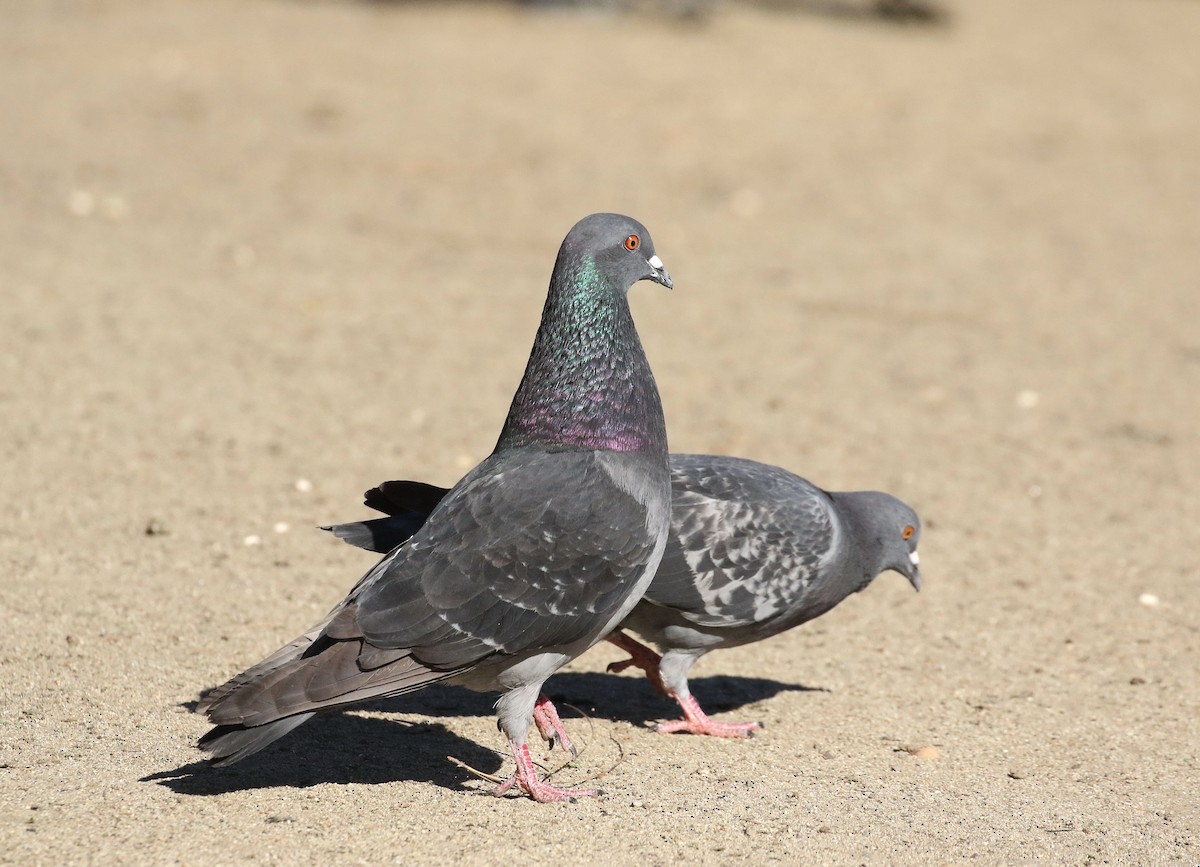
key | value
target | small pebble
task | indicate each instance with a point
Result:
(281, 526)
(1148, 599)
(1016, 774)
(81, 203)
(252, 539)
(1027, 398)
(927, 753)
(155, 527)
(303, 485)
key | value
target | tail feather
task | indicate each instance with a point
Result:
(332, 678)
(315, 672)
(407, 505)
(404, 498)
(289, 652)
(228, 744)
(380, 535)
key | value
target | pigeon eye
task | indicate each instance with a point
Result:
(633, 242)
(908, 532)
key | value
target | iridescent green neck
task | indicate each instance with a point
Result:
(588, 384)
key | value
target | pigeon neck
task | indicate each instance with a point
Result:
(588, 384)
(865, 552)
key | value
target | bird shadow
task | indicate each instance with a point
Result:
(342, 748)
(600, 695)
(345, 747)
(898, 12)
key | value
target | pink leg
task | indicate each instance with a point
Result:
(640, 656)
(696, 722)
(526, 779)
(545, 716)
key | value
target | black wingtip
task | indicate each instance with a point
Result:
(379, 535)
(404, 497)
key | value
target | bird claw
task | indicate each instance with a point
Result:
(696, 722)
(557, 740)
(550, 727)
(544, 793)
(620, 665)
(709, 727)
(526, 779)
(641, 657)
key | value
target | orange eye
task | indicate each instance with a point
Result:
(908, 532)
(633, 242)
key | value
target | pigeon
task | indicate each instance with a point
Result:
(533, 557)
(754, 550)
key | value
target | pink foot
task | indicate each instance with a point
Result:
(545, 716)
(527, 780)
(696, 722)
(640, 656)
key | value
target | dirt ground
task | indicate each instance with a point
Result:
(249, 244)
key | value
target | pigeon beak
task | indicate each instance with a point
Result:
(913, 573)
(660, 274)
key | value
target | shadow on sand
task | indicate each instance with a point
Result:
(901, 12)
(348, 748)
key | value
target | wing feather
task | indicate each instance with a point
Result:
(747, 539)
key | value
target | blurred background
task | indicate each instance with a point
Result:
(257, 256)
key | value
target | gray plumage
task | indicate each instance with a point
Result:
(754, 550)
(530, 559)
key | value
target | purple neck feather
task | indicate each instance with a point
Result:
(588, 384)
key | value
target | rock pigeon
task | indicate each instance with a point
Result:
(533, 557)
(753, 551)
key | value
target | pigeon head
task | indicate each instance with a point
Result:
(587, 384)
(886, 532)
(905, 558)
(614, 248)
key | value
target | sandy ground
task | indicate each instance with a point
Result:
(249, 242)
